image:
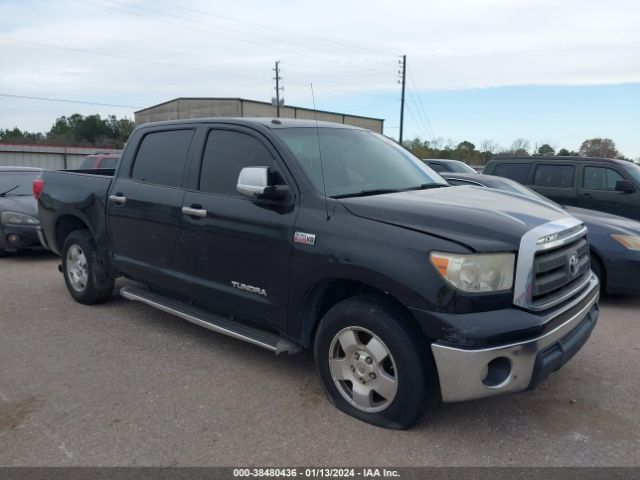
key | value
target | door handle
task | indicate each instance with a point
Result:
(194, 212)
(121, 199)
(587, 195)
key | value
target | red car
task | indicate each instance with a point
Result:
(100, 160)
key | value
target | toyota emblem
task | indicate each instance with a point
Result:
(574, 264)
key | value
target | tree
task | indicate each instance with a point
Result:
(19, 136)
(489, 146)
(520, 147)
(599, 147)
(546, 150)
(563, 152)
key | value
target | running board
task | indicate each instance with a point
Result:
(210, 321)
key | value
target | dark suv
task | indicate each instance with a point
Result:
(602, 184)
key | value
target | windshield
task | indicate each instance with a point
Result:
(22, 180)
(633, 170)
(461, 167)
(356, 161)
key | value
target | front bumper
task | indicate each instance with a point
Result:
(16, 237)
(467, 374)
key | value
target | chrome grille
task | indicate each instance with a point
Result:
(544, 278)
(560, 269)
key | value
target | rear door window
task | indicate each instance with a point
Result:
(162, 156)
(515, 171)
(557, 176)
(600, 178)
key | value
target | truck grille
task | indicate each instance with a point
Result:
(559, 271)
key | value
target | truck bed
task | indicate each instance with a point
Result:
(78, 193)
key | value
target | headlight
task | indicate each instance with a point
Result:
(632, 242)
(12, 218)
(476, 273)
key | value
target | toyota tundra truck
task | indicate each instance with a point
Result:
(292, 234)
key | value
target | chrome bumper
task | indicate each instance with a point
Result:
(463, 372)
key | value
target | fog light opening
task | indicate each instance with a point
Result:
(496, 372)
(14, 240)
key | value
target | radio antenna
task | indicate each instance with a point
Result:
(324, 185)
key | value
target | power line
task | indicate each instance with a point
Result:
(272, 28)
(420, 122)
(423, 109)
(130, 59)
(64, 100)
(208, 29)
(410, 110)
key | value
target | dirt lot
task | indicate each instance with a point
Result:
(123, 384)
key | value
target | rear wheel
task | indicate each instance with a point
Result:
(373, 365)
(86, 273)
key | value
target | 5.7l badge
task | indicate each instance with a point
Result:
(304, 238)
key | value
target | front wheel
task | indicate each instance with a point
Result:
(86, 273)
(373, 365)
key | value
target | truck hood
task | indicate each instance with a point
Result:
(25, 204)
(479, 218)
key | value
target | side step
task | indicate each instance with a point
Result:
(210, 321)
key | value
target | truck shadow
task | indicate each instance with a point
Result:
(25, 256)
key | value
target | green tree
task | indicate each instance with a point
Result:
(546, 150)
(91, 129)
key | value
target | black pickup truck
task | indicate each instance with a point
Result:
(293, 234)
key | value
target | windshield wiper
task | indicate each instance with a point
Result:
(4, 194)
(425, 186)
(364, 193)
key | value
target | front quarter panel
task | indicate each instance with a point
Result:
(386, 257)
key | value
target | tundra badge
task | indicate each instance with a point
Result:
(249, 288)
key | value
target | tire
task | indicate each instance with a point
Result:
(2, 253)
(352, 341)
(86, 274)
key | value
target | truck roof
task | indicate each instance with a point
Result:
(269, 122)
(560, 158)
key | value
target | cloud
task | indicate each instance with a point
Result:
(450, 45)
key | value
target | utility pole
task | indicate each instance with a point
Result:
(277, 78)
(403, 80)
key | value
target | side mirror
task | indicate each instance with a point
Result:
(625, 186)
(255, 182)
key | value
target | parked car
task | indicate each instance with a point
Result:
(18, 216)
(292, 234)
(614, 240)
(443, 165)
(602, 184)
(100, 160)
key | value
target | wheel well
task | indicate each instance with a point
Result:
(64, 226)
(328, 293)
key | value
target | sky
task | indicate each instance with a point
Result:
(550, 71)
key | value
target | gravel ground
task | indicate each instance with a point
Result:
(124, 384)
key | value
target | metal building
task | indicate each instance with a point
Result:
(180, 108)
